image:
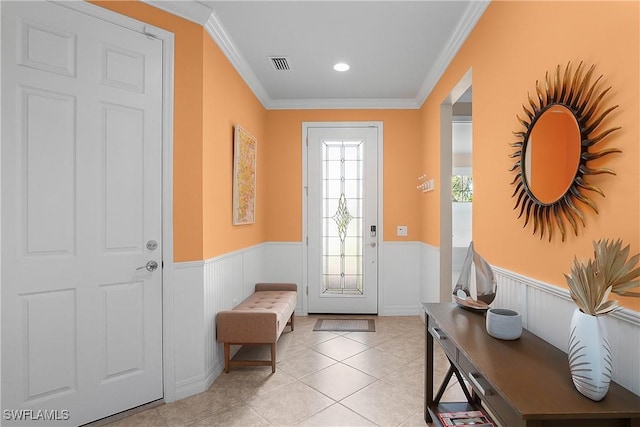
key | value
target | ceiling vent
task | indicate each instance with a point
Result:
(280, 63)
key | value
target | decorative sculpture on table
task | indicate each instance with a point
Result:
(476, 286)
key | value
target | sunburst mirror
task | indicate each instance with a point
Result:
(553, 152)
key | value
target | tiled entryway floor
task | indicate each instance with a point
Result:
(321, 379)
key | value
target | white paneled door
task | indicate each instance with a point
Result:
(81, 216)
(342, 219)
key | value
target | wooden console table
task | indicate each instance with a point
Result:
(525, 382)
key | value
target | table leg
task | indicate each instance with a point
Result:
(428, 371)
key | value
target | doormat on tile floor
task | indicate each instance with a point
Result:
(345, 325)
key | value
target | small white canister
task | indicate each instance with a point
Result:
(504, 324)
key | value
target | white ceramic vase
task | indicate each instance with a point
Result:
(589, 355)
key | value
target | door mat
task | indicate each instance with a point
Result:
(345, 325)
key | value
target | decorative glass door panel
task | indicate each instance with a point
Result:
(342, 217)
(341, 211)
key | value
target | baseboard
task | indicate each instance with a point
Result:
(198, 384)
(401, 310)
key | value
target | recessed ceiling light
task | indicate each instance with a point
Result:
(341, 66)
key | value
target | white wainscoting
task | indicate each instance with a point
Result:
(546, 311)
(399, 278)
(430, 274)
(188, 315)
(408, 276)
(203, 288)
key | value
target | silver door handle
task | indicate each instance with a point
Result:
(372, 244)
(150, 266)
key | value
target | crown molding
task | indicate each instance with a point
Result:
(218, 33)
(201, 14)
(190, 10)
(464, 28)
(342, 104)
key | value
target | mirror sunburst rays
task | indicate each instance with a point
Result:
(584, 99)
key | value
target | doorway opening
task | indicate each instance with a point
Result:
(456, 108)
(461, 181)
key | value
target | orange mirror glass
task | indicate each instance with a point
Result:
(552, 154)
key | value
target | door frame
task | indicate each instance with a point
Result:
(305, 240)
(445, 288)
(167, 38)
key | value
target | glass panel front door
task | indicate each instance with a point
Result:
(342, 181)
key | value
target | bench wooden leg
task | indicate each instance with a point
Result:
(273, 358)
(290, 321)
(227, 351)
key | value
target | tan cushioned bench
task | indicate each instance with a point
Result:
(258, 320)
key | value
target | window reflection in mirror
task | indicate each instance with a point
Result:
(552, 154)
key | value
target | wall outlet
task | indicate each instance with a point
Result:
(402, 231)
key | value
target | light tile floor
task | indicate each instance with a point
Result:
(322, 379)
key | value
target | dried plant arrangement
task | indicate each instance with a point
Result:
(609, 271)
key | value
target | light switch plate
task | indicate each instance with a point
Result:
(402, 231)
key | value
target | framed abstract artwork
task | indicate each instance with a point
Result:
(244, 176)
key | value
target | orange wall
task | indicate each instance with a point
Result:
(401, 169)
(210, 97)
(513, 45)
(229, 101)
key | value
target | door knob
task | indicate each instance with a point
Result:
(372, 244)
(150, 266)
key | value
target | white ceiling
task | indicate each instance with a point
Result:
(397, 50)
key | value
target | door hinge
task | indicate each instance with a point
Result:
(307, 290)
(149, 32)
(307, 239)
(307, 141)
